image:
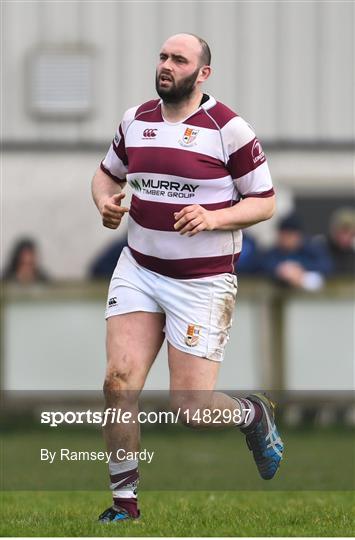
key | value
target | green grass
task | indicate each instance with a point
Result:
(182, 514)
(184, 460)
(310, 496)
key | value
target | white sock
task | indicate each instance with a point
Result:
(124, 478)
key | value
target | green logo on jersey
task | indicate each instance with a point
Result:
(135, 184)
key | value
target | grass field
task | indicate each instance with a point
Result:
(182, 514)
(311, 495)
(184, 460)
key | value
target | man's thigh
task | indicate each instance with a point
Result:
(192, 380)
(135, 325)
(133, 342)
(190, 372)
(199, 314)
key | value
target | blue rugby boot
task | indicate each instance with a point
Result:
(111, 514)
(263, 438)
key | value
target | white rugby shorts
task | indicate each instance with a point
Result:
(198, 312)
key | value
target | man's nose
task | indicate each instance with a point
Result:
(166, 64)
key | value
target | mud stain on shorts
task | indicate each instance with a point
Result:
(224, 324)
(225, 319)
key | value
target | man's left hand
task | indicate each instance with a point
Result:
(291, 272)
(194, 219)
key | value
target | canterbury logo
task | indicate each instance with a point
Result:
(150, 133)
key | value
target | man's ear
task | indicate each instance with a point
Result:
(205, 72)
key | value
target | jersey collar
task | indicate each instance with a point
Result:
(209, 103)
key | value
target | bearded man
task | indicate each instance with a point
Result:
(199, 176)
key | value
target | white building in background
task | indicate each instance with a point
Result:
(70, 69)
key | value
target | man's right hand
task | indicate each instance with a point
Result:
(112, 211)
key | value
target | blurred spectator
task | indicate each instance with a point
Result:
(341, 241)
(296, 260)
(104, 265)
(24, 267)
(249, 259)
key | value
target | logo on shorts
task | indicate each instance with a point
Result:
(189, 137)
(112, 301)
(192, 335)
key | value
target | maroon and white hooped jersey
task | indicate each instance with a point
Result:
(212, 158)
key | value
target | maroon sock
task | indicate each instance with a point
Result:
(258, 412)
(131, 505)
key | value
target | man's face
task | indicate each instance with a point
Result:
(289, 240)
(344, 237)
(178, 69)
(28, 259)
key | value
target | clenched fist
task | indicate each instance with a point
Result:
(112, 211)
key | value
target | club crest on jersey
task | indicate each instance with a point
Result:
(189, 137)
(192, 335)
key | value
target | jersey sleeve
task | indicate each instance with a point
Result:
(246, 160)
(115, 163)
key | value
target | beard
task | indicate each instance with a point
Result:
(177, 93)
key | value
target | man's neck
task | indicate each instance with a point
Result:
(174, 112)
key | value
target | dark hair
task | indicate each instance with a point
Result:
(291, 222)
(205, 50)
(19, 247)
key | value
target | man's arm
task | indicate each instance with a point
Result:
(194, 219)
(250, 174)
(107, 195)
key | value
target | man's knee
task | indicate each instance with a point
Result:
(117, 386)
(191, 407)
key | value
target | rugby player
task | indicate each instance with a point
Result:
(199, 175)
